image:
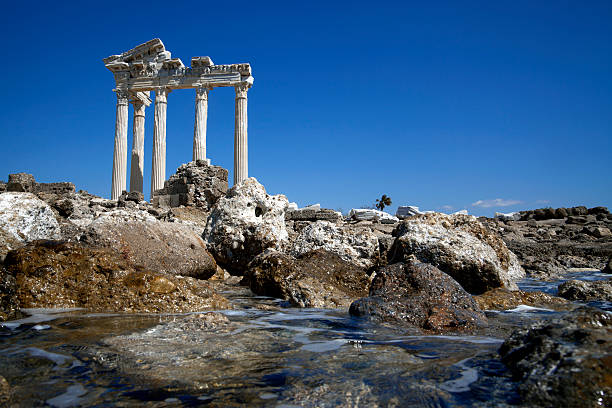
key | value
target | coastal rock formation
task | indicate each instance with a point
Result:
(356, 245)
(460, 246)
(24, 218)
(196, 183)
(547, 248)
(9, 305)
(586, 291)
(504, 299)
(416, 294)
(163, 247)
(608, 267)
(60, 274)
(564, 362)
(315, 279)
(244, 223)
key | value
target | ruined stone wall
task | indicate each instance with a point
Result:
(24, 182)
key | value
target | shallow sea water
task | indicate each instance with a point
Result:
(265, 354)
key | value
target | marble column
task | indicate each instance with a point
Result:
(120, 152)
(241, 164)
(158, 173)
(137, 162)
(199, 130)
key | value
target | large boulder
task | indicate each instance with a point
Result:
(9, 304)
(196, 183)
(315, 279)
(353, 244)
(586, 291)
(565, 362)
(54, 274)
(244, 223)
(462, 247)
(24, 218)
(165, 247)
(416, 294)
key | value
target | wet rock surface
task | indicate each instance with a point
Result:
(460, 246)
(586, 290)
(163, 247)
(9, 305)
(244, 223)
(315, 279)
(564, 362)
(504, 299)
(60, 274)
(416, 294)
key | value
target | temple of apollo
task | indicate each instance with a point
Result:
(150, 67)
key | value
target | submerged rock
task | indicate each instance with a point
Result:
(53, 274)
(460, 246)
(419, 295)
(356, 245)
(504, 299)
(586, 291)
(244, 223)
(566, 362)
(163, 247)
(24, 218)
(315, 279)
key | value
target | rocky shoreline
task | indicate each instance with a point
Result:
(429, 273)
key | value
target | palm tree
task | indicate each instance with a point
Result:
(383, 202)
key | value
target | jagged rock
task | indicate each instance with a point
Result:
(165, 247)
(598, 210)
(9, 305)
(59, 274)
(513, 216)
(608, 267)
(24, 218)
(308, 214)
(460, 246)
(195, 184)
(316, 279)
(564, 362)
(244, 223)
(597, 232)
(586, 291)
(407, 211)
(504, 299)
(369, 214)
(356, 245)
(419, 295)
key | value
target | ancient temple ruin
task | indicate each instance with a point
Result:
(150, 67)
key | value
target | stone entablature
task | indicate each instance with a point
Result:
(150, 67)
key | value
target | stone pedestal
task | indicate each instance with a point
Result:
(120, 151)
(199, 130)
(137, 162)
(158, 173)
(241, 164)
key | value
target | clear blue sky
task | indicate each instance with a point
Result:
(487, 106)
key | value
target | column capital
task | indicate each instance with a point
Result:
(241, 90)
(122, 96)
(202, 92)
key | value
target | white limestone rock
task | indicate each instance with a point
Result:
(460, 212)
(24, 218)
(244, 223)
(370, 214)
(513, 216)
(460, 246)
(358, 246)
(407, 211)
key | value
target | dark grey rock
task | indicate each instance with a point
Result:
(9, 304)
(307, 214)
(564, 362)
(586, 291)
(416, 294)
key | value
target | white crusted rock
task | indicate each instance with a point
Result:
(407, 211)
(460, 246)
(356, 245)
(244, 223)
(370, 214)
(24, 218)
